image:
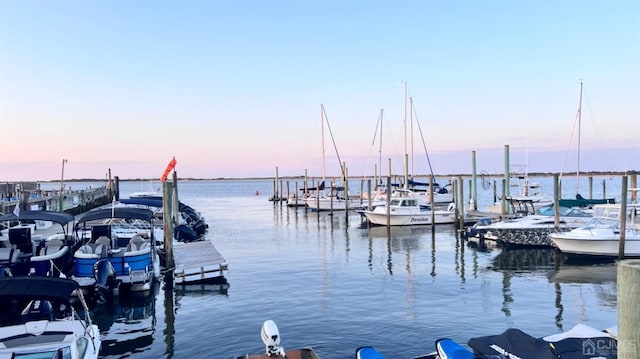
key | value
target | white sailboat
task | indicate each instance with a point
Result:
(579, 200)
(338, 197)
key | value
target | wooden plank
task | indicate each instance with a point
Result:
(197, 262)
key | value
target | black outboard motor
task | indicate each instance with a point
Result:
(199, 227)
(184, 233)
(105, 276)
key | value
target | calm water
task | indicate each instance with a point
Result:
(333, 285)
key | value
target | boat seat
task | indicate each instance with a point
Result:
(8, 255)
(87, 251)
(137, 243)
(20, 238)
(104, 240)
(53, 246)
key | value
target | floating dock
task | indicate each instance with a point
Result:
(198, 262)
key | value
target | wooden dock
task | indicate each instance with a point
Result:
(198, 262)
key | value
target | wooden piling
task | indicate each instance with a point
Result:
(628, 277)
(556, 202)
(623, 218)
(167, 188)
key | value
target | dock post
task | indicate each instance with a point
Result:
(433, 213)
(590, 187)
(461, 204)
(389, 199)
(628, 274)
(556, 203)
(503, 211)
(623, 217)
(604, 189)
(507, 175)
(368, 194)
(634, 184)
(167, 188)
(175, 202)
(474, 183)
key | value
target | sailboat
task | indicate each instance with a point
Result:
(406, 207)
(337, 198)
(441, 195)
(579, 200)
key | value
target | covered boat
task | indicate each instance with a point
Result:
(38, 320)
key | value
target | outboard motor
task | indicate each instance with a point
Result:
(105, 276)
(200, 227)
(271, 339)
(184, 233)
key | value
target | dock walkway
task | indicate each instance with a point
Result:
(198, 262)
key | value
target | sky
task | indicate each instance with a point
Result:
(234, 88)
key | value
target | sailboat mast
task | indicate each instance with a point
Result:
(322, 139)
(406, 154)
(579, 136)
(380, 149)
(411, 119)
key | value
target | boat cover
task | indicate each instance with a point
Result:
(58, 217)
(368, 352)
(151, 202)
(514, 343)
(117, 212)
(48, 288)
(448, 349)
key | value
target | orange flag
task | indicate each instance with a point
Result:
(170, 166)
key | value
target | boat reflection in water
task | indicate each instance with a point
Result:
(568, 278)
(126, 323)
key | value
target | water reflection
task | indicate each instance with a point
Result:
(568, 278)
(126, 324)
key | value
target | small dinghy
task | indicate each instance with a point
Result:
(271, 338)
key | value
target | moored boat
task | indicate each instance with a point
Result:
(271, 338)
(111, 255)
(405, 210)
(534, 229)
(27, 250)
(38, 320)
(601, 237)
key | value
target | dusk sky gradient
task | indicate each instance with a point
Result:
(234, 88)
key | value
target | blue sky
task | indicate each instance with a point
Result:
(234, 88)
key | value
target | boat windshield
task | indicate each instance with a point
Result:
(61, 353)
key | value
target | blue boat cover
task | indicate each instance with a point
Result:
(448, 349)
(37, 287)
(58, 217)
(368, 352)
(117, 212)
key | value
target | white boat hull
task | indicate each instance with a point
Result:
(596, 242)
(409, 219)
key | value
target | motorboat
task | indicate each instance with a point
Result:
(271, 338)
(336, 200)
(300, 199)
(39, 320)
(111, 257)
(191, 226)
(405, 210)
(601, 236)
(27, 250)
(441, 195)
(534, 229)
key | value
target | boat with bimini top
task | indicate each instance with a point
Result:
(118, 250)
